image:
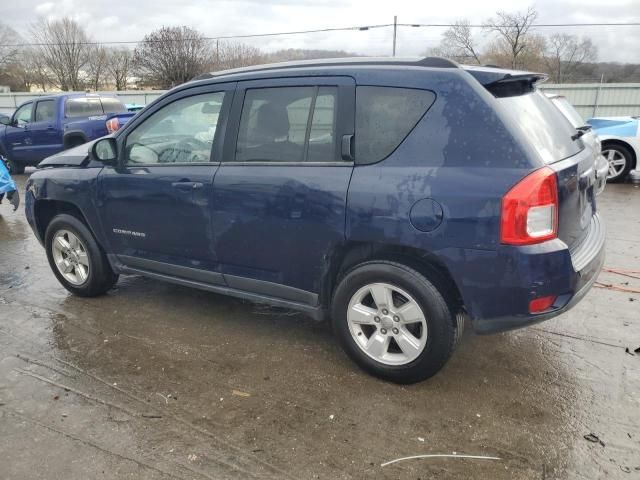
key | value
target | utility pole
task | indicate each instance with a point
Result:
(395, 29)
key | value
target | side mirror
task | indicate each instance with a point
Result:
(5, 120)
(105, 150)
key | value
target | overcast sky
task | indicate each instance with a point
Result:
(108, 20)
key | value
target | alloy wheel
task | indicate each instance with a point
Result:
(617, 162)
(70, 256)
(387, 324)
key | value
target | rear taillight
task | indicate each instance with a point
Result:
(530, 209)
(113, 125)
(540, 304)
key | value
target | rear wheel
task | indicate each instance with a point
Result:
(76, 259)
(73, 142)
(393, 322)
(619, 158)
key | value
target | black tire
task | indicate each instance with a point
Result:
(628, 156)
(14, 168)
(100, 277)
(73, 142)
(441, 335)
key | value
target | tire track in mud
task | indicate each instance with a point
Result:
(233, 452)
(234, 460)
(89, 443)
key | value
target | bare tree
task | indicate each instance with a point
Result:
(29, 71)
(119, 64)
(235, 55)
(8, 37)
(458, 44)
(565, 54)
(96, 68)
(172, 55)
(65, 49)
(512, 30)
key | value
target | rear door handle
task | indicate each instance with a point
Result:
(50, 127)
(186, 186)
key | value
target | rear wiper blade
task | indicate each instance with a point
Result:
(580, 132)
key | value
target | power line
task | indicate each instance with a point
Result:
(319, 30)
(533, 25)
(221, 37)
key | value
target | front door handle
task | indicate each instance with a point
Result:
(186, 186)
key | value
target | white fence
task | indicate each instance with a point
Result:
(600, 99)
(590, 99)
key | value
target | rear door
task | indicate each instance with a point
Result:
(156, 204)
(46, 138)
(280, 194)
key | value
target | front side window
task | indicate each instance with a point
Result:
(384, 117)
(23, 115)
(181, 132)
(83, 107)
(288, 124)
(45, 111)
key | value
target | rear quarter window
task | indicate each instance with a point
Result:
(83, 107)
(112, 105)
(384, 117)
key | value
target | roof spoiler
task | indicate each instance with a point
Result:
(508, 83)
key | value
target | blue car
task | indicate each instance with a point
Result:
(397, 198)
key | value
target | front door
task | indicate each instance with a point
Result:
(18, 135)
(280, 194)
(156, 203)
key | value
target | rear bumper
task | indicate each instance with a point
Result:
(499, 285)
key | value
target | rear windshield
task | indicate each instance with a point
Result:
(543, 124)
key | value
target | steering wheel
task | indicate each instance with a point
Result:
(184, 148)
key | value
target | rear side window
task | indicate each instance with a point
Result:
(384, 117)
(546, 128)
(45, 111)
(112, 105)
(288, 124)
(83, 107)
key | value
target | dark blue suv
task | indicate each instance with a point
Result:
(396, 197)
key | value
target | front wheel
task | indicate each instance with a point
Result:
(13, 167)
(76, 259)
(619, 158)
(393, 322)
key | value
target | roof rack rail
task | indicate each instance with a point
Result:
(433, 62)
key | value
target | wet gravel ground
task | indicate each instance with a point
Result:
(156, 381)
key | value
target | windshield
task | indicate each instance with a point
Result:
(543, 125)
(568, 111)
